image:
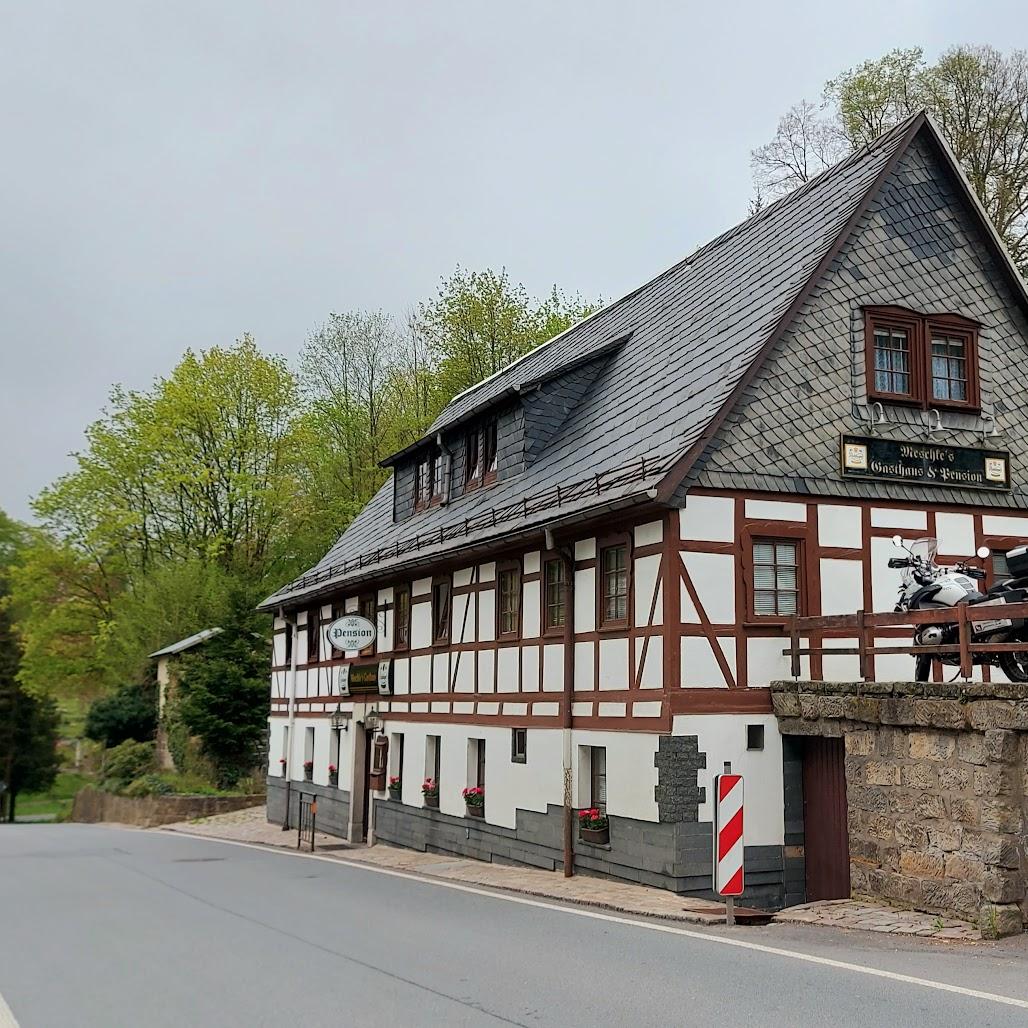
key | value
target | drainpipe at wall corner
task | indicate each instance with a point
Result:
(445, 498)
(567, 558)
(290, 742)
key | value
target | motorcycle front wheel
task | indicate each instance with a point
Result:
(1015, 665)
(923, 668)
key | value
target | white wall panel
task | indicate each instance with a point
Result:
(713, 578)
(441, 672)
(883, 517)
(486, 670)
(841, 668)
(997, 525)
(644, 582)
(532, 562)
(708, 519)
(699, 665)
(553, 668)
(839, 526)
(462, 576)
(688, 612)
(486, 615)
(401, 675)
(487, 572)
(584, 671)
(585, 549)
(723, 738)
(507, 679)
(631, 774)
(464, 671)
(530, 610)
(766, 663)
(955, 533)
(421, 673)
(653, 663)
(585, 600)
(614, 664)
(650, 533)
(776, 510)
(530, 668)
(842, 586)
(420, 625)
(885, 581)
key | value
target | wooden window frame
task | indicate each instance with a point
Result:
(432, 465)
(919, 329)
(479, 764)
(438, 583)
(518, 756)
(362, 605)
(602, 546)
(483, 472)
(776, 532)
(553, 629)
(600, 805)
(314, 635)
(506, 567)
(401, 644)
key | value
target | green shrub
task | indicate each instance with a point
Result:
(130, 713)
(126, 762)
(147, 785)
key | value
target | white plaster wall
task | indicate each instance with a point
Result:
(993, 524)
(532, 562)
(647, 570)
(585, 600)
(462, 576)
(614, 664)
(585, 549)
(955, 533)
(648, 534)
(713, 578)
(885, 581)
(553, 668)
(723, 738)
(708, 519)
(421, 587)
(842, 586)
(838, 525)
(912, 520)
(463, 627)
(464, 673)
(841, 668)
(530, 668)
(420, 625)
(487, 571)
(766, 662)
(530, 610)
(487, 614)
(441, 672)
(631, 774)
(507, 669)
(652, 676)
(584, 666)
(421, 672)
(486, 670)
(776, 510)
(700, 668)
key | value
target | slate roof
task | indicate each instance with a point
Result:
(695, 331)
(188, 643)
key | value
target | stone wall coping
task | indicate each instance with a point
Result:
(963, 691)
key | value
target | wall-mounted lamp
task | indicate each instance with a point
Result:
(340, 720)
(373, 721)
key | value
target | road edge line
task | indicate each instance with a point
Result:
(668, 929)
(7, 1018)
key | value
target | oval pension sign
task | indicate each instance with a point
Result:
(351, 632)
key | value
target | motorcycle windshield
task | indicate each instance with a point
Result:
(924, 549)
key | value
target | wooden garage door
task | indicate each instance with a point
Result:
(825, 835)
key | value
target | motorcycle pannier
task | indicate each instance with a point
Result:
(1017, 561)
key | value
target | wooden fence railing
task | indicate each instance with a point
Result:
(864, 624)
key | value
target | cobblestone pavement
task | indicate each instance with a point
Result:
(877, 917)
(251, 825)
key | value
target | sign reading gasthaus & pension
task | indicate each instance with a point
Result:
(924, 463)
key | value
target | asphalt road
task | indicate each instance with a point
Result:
(108, 927)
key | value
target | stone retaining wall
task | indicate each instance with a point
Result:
(92, 805)
(936, 785)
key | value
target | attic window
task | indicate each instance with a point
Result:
(922, 360)
(428, 480)
(480, 464)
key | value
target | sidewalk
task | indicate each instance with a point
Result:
(251, 826)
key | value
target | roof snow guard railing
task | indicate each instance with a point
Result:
(556, 496)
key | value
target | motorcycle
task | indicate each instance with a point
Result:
(927, 586)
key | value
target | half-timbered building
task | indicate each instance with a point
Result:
(582, 574)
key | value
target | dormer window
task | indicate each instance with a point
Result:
(428, 480)
(481, 455)
(922, 360)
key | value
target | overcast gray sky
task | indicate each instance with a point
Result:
(174, 174)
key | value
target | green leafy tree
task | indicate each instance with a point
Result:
(978, 95)
(28, 724)
(223, 694)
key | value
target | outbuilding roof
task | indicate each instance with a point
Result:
(692, 338)
(188, 643)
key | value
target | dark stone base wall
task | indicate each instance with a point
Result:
(333, 805)
(677, 857)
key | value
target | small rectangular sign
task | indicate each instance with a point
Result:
(937, 464)
(385, 677)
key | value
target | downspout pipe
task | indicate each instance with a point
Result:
(291, 626)
(567, 558)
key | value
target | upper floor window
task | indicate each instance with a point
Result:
(441, 611)
(480, 463)
(428, 480)
(614, 584)
(776, 577)
(924, 360)
(553, 599)
(401, 618)
(508, 610)
(313, 635)
(368, 609)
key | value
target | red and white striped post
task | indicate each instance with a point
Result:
(729, 870)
